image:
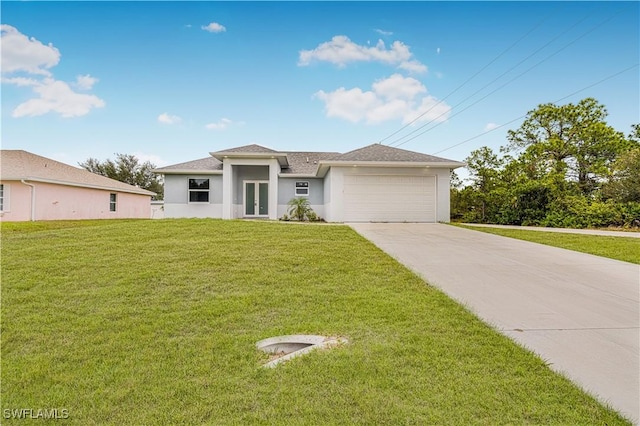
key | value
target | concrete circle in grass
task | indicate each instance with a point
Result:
(283, 348)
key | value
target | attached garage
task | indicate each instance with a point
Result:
(389, 198)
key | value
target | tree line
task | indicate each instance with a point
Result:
(128, 169)
(564, 167)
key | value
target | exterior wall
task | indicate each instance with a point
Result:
(176, 197)
(443, 194)
(18, 198)
(235, 170)
(334, 184)
(287, 185)
(61, 202)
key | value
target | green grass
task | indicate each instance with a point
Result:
(620, 248)
(155, 322)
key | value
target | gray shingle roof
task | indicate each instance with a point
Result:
(305, 163)
(253, 148)
(202, 165)
(379, 152)
(19, 164)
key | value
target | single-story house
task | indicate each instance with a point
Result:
(38, 188)
(376, 183)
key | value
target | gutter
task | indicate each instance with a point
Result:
(33, 199)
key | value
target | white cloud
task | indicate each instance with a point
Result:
(85, 82)
(214, 27)
(351, 105)
(57, 96)
(393, 98)
(383, 32)
(438, 51)
(341, 51)
(413, 67)
(20, 81)
(169, 119)
(21, 53)
(220, 125)
(490, 126)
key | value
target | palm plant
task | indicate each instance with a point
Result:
(299, 208)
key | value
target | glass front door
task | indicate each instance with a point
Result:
(256, 198)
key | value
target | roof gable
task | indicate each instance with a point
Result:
(203, 165)
(378, 152)
(20, 164)
(253, 148)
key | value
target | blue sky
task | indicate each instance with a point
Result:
(170, 82)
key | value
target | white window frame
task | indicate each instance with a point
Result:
(190, 190)
(296, 188)
(4, 198)
(113, 202)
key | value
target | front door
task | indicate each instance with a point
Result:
(256, 198)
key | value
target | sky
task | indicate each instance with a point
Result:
(172, 81)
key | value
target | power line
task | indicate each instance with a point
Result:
(495, 79)
(500, 87)
(470, 78)
(522, 116)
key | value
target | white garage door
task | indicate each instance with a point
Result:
(378, 198)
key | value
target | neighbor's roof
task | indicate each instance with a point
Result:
(19, 165)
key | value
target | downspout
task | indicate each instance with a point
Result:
(33, 199)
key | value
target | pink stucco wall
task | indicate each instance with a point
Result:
(58, 202)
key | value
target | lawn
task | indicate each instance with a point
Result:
(155, 322)
(620, 248)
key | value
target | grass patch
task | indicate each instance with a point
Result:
(619, 248)
(155, 322)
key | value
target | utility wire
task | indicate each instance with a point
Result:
(492, 81)
(522, 116)
(500, 87)
(470, 78)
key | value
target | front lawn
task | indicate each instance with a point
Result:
(620, 248)
(155, 322)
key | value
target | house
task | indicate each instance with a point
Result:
(376, 183)
(38, 188)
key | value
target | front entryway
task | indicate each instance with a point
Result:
(256, 198)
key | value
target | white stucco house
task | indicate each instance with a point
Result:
(376, 183)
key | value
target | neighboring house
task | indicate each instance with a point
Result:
(376, 183)
(38, 188)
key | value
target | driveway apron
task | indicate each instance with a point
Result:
(579, 312)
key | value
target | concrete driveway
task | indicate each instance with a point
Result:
(579, 312)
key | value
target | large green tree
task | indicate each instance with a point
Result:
(128, 169)
(570, 144)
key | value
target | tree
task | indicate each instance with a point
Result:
(571, 143)
(128, 169)
(624, 185)
(484, 170)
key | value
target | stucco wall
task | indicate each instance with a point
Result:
(286, 190)
(176, 188)
(18, 197)
(59, 202)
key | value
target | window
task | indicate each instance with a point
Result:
(112, 202)
(302, 189)
(198, 190)
(1, 197)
